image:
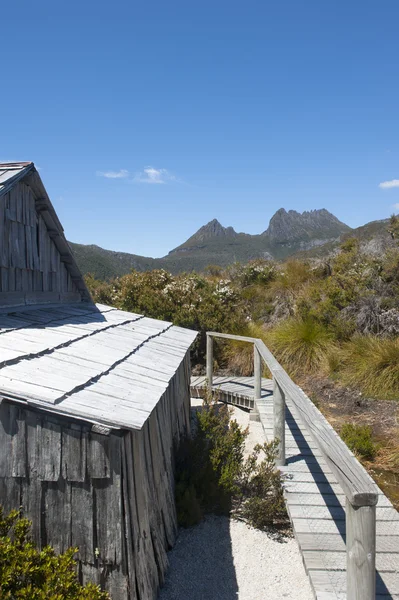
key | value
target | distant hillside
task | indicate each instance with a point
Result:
(373, 236)
(105, 264)
(312, 234)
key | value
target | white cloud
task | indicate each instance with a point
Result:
(114, 174)
(152, 175)
(387, 185)
(395, 206)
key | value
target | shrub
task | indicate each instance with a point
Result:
(302, 345)
(102, 291)
(212, 475)
(256, 272)
(372, 364)
(261, 499)
(26, 572)
(358, 438)
(208, 464)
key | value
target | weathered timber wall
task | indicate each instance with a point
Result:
(112, 496)
(31, 267)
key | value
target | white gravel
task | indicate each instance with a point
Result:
(224, 559)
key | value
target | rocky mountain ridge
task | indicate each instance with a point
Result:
(311, 233)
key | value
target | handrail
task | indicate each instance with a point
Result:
(360, 490)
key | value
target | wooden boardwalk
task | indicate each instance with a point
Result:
(234, 390)
(315, 501)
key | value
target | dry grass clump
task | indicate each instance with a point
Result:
(238, 357)
(302, 345)
(372, 363)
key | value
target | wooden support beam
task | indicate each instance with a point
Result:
(257, 373)
(209, 360)
(360, 552)
(279, 422)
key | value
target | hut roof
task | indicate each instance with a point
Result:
(12, 173)
(91, 362)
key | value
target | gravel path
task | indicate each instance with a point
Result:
(223, 559)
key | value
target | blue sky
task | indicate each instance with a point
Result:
(148, 119)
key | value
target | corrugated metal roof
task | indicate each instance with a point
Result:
(90, 361)
(11, 172)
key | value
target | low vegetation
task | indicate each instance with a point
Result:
(29, 573)
(359, 439)
(212, 474)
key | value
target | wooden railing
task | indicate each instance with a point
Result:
(360, 490)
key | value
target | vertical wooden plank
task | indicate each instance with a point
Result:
(73, 454)
(12, 441)
(32, 487)
(82, 520)
(11, 280)
(10, 493)
(5, 439)
(146, 567)
(5, 242)
(98, 456)
(108, 500)
(90, 573)
(18, 441)
(129, 531)
(28, 246)
(31, 502)
(5, 279)
(2, 225)
(21, 246)
(116, 584)
(19, 201)
(49, 451)
(57, 514)
(18, 280)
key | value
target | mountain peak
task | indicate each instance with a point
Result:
(292, 226)
(206, 233)
(213, 229)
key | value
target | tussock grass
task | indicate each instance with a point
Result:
(302, 345)
(372, 364)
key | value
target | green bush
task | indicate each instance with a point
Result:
(358, 438)
(212, 475)
(26, 572)
(208, 464)
(261, 498)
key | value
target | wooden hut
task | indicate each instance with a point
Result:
(92, 401)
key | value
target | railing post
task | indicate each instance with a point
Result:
(209, 360)
(257, 373)
(279, 422)
(360, 552)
